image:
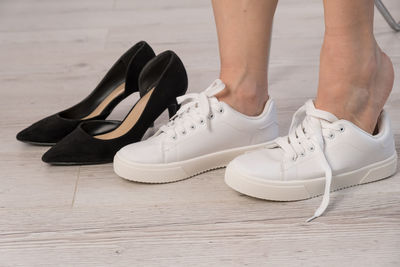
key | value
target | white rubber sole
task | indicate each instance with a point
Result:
(176, 171)
(304, 189)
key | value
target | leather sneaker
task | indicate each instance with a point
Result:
(205, 134)
(321, 154)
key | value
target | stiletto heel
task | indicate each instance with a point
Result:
(173, 108)
(163, 79)
(119, 82)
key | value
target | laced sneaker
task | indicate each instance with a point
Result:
(321, 154)
(204, 134)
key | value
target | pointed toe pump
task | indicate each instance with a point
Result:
(163, 79)
(119, 82)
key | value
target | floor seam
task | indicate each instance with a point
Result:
(76, 187)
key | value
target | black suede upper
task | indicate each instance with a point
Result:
(166, 74)
(52, 129)
(81, 147)
(48, 131)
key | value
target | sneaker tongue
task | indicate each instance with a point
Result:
(213, 100)
(319, 113)
(216, 87)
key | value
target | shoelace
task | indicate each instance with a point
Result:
(308, 134)
(195, 108)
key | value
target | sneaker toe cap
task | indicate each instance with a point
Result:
(142, 152)
(260, 164)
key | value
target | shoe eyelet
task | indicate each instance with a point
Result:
(174, 137)
(311, 148)
(211, 116)
(302, 154)
(183, 132)
(221, 110)
(331, 136)
(192, 127)
(201, 121)
(342, 129)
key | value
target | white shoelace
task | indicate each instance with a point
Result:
(304, 134)
(196, 108)
(308, 135)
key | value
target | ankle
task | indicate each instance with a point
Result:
(355, 55)
(246, 91)
(355, 87)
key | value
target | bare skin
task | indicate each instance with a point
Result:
(355, 77)
(244, 33)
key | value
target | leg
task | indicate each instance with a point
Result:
(356, 77)
(209, 134)
(244, 33)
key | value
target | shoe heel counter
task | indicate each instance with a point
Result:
(274, 120)
(389, 138)
(167, 71)
(387, 134)
(270, 128)
(135, 59)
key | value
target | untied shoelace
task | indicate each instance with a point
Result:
(195, 108)
(307, 131)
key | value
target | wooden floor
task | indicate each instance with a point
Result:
(52, 53)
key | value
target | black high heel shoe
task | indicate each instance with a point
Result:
(164, 78)
(120, 81)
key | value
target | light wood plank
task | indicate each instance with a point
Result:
(52, 54)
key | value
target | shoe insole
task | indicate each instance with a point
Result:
(130, 120)
(99, 109)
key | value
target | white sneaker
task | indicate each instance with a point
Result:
(205, 134)
(318, 151)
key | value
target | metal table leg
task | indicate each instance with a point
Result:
(386, 14)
